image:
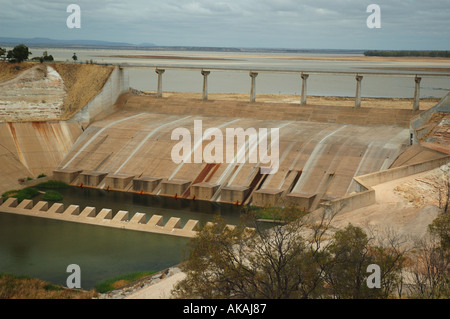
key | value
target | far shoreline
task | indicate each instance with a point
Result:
(347, 58)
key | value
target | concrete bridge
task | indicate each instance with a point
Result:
(304, 75)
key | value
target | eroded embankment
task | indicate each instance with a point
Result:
(35, 98)
(48, 91)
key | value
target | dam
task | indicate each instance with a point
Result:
(122, 141)
(118, 141)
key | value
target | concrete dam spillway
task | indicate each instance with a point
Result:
(321, 150)
(123, 140)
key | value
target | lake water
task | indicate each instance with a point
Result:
(238, 81)
(43, 248)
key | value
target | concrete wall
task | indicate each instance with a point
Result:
(29, 149)
(366, 194)
(365, 181)
(102, 104)
(351, 202)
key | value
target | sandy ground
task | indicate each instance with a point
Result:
(405, 206)
(9, 71)
(165, 57)
(160, 290)
(385, 103)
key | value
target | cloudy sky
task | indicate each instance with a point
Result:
(320, 24)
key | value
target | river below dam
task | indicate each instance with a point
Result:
(43, 248)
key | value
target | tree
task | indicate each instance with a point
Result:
(74, 57)
(47, 57)
(353, 251)
(296, 259)
(242, 263)
(19, 54)
(430, 272)
(2, 52)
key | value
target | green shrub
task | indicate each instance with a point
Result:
(42, 175)
(271, 213)
(52, 185)
(9, 194)
(21, 194)
(120, 281)
(52, 196)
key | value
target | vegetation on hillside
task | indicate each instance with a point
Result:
(405, 53)
(121, 281)
(9, 71)
(22, 287)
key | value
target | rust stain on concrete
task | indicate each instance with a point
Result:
(17, 144)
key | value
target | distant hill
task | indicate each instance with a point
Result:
(45, 42)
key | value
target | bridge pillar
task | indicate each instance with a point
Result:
(304, 78)
(416, 93)
(253, 75)
(160, 73)
(358, 91)
(205, 84)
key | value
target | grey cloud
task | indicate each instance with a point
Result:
(263, 23)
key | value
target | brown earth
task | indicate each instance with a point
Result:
(428, 189)
(83, 82)
(13, 287)
(385, 103)
(9, 71)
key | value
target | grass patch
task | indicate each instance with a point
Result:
(274, 213)
(52, 185)
(21, 194)
(52, 196)
(121, 281)
(24, 287)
